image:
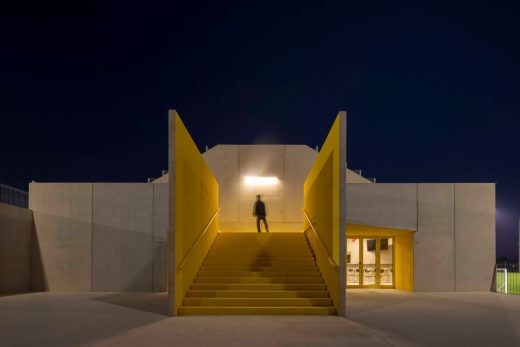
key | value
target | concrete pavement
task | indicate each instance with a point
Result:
(376, 318)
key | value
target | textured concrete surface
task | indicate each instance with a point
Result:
(474, 236)
(16, 232)
(437, 319)
(390, 205)
(63, 220)
(434, 243)
(122, 232)
(100, 236)
(374, 318)
(454, 246)
(160, 233)
(290, 163)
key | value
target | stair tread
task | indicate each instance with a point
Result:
(251, 267)
(257, 293)
(260, 310)
(259, 273)
(259, 286)
(302, 280)
(248, 302)
(251, 273)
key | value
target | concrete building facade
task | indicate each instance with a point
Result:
(138, 236)
(101, 236)
(111, 237)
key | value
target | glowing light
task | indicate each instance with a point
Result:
(261, 180)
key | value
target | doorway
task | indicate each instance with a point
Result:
(370, 262)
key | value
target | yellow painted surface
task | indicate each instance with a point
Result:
(195, 203)
(358, 230)
(274, 227)
(252, 273)
(404, 261)
(322, 205)
(403, 257)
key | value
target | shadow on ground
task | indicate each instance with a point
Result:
(148, 302)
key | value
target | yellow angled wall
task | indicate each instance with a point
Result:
(194, 203)
(324, 203)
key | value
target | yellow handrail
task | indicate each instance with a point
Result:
(331, 260)
(181, 265)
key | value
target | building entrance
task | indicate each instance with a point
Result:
(370, 262)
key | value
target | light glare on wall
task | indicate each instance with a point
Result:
(261, 180)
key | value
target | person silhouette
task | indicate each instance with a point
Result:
(259, 213)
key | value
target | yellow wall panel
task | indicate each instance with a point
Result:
(194, 197)
(404, 261)
(324, 203)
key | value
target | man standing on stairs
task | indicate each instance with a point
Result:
(259, 213)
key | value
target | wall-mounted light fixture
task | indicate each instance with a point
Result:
(261, 180)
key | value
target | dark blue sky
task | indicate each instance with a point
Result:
(431, 91)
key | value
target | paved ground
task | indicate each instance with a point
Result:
(437, 319)
(376, 318)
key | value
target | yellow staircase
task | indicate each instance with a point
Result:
(258, 273)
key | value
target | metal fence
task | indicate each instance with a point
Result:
(13, 196)
(507, 278)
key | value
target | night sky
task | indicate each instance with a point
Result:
(431, 92)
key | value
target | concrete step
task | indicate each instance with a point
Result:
(260, 261)
(257, 294)
(236, 246)
(257, 234)
(259, 286)
(261, 257)
(287, 268)
(252, 274)
(258, 302)
(314, 273)
(250, 250)
(259, 280)
(255, 311)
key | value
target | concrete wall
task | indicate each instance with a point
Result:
(455, 242)
(101, 236)
(434, 243)
(16, 231)
(475, 254)
(389, 205)
(353, 177)
(454, 246)
(122, 237)
(63, 220)
(290, 163)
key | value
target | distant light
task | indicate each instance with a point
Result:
(261, 180)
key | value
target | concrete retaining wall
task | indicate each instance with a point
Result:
(101, 236)
(16, 229)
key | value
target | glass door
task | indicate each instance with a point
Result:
(353, 264)
(370, 262)
(386, 262)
